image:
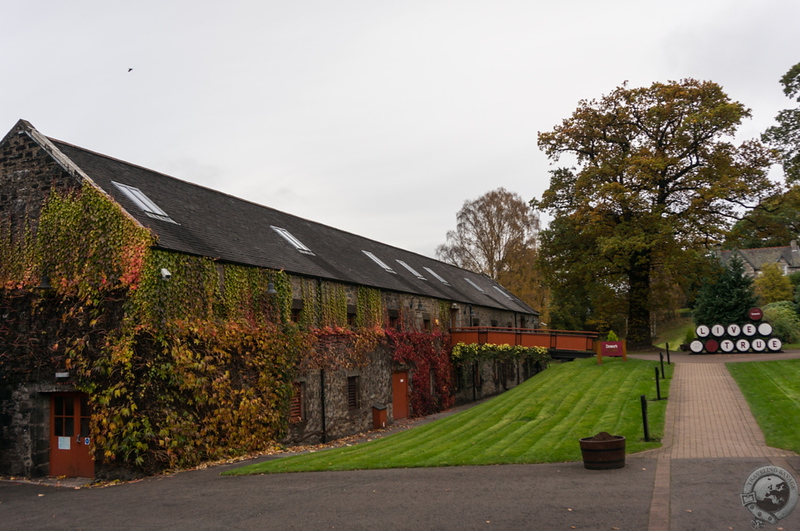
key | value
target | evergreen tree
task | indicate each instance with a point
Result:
(728, 299)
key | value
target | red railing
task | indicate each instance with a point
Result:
(555, 340)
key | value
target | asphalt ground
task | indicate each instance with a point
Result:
(550, 496)
(689, 494)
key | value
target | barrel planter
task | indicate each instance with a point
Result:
(603, 451)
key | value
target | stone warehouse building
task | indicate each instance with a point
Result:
(147, 322)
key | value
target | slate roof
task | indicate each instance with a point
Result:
(213, 224)
(757, 258)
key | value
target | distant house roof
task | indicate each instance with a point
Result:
(193, 219)
(756, 259)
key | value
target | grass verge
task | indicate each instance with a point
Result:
(539, 421)
(772, 389)
(675, 336)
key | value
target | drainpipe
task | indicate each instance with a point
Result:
(321, 371)
(322, 400)
(474, 381)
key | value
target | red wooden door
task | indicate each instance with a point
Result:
(70, 453)
(399, 395)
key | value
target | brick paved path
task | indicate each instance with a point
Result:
(707, 417)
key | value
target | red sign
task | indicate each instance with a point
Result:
(755, 314)
(611, 348)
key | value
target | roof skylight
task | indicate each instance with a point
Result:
(503, 292)
(477, 287)
(142, 201)
(294, 242)
(436, 275)
(379, 262)
(411, 270)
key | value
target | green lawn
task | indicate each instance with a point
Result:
(675, 336)
(772, 388)
(539, 421)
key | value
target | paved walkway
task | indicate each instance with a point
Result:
(707, 417)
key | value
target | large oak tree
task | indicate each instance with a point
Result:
(655, 177)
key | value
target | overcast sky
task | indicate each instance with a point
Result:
(376, 117)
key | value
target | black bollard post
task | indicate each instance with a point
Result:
(643, 400)
(658, 385)
(661, 355)
(668, 362)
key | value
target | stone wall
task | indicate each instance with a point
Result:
(475, 381)
(374, 387)
(27, 174)
(25, 430)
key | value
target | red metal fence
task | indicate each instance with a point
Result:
(554, 340)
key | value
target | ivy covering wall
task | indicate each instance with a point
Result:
(180, 371)
(183, 370)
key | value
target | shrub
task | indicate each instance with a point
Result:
(784, 320)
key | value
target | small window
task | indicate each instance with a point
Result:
(297, 310)
(296, 409)
(352, 392)
(294, 242)
(436, 276)
(477, 287)
(379, 262)
(411, 270)
(142, 201)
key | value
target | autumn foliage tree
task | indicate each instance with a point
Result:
(773, 286)
(496, 234)
(655, 177)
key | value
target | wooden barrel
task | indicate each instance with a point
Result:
(774, 344)
(727, 345)
(603, 454)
